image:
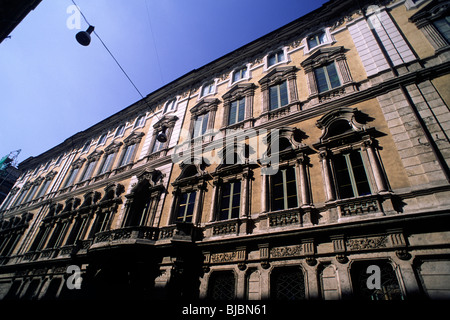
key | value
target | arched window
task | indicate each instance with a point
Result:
(350, 163)
(143, 199)
(189, 189)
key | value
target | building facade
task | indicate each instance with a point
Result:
(312, 163)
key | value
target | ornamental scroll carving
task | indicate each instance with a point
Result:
(223, 257)
(367, 243)
(289, 251)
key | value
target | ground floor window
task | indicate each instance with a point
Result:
(375, 280)
(287, 284)
(222, 286)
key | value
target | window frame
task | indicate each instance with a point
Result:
(239, 71)
(285, 193)
(212, 85)
(276, 54)
(350, 169)
(328, 82)
(232, 194)
(279, 97)
(120, 131)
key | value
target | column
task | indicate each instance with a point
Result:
(245, 195)
(264, 193)
(376, 168)
(215, 191)
(303, 180)
(311, 82)
(328, 183)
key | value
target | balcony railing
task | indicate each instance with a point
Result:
(125, 236)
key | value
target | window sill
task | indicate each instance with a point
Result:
(333, 94)
(281, 112)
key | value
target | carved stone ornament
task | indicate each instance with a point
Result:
(289, 251)
(342, 258)
(403, 254)
(367, 243)
(223, 257)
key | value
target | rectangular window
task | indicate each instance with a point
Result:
(107, 163)
(351, 175)
(185, 208)
(72, 176)
(278, 96)
(230, 202)
(208, 89)
(88, 173)
(44, 188)
(128, 156)
(158, 145)
(327, 77)
(200, 125)
(316, 39)
(275, 58)
(237, 111)
(240, 74)
(443, 25)
(31, 193)
(170, 105)
(284, 189)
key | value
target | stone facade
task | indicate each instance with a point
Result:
(293, 166)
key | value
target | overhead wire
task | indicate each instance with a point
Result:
(114, 58)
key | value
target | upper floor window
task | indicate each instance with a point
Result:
(208, 88)
(119, 132)
(327, 77)
(128, 154)
(107, 163)
(240, 74)
(102, 139)
(89, 170)
(139, 122)
(317, 39)
(237, 111)
(72, 176)
(284, 189)
(278, 96)
(185, 207)
(443, 26)
(230, 200)
(351, 175)
(279, 89)
(170, 105)
(164, 125)
(275, 58)
(86, 147)
(200, 125)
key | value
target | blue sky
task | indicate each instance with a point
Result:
(51, 87)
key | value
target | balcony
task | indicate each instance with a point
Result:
(125, 236)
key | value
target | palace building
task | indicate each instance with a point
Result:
(295, 167)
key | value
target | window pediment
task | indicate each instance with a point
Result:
(239, 91)
(277, 75)
(166, 121)
(113, 147)
(133, 138)
(433, 10)
(204, 106)
(323, 56)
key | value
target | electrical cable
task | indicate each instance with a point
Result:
(114, 58)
